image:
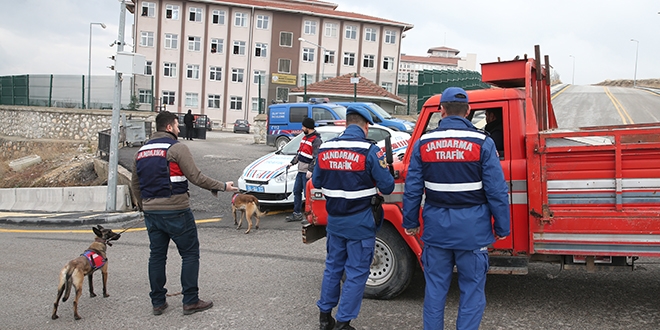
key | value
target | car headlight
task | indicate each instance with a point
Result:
(291, 176)
(408, 127)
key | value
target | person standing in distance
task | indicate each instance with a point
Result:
(305, 158)
(348, 170)
(163, 167)
(189, 119)
(458, 169)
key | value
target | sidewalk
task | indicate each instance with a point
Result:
(65, 218)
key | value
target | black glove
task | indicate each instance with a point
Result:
(377, 209)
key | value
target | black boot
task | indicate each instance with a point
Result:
(343, 326)
(326, 321)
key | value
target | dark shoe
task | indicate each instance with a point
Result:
(200, 306)
(304, 221)
(159, 310)
(343, 326)
(294, 217)
(326, 322)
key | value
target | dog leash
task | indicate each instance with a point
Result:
(130, 227)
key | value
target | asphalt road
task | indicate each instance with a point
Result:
(269, 279)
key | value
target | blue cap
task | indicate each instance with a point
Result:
(360, 111)
(454, 94)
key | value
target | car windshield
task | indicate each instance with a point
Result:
(341, 111)
(380, 110)
(291, 148)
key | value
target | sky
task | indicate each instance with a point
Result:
(45, 36)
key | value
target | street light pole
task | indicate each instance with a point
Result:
(636, 53)
(573, 78)
(324, 53)
(89, 63)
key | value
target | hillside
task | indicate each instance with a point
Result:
(653, 83)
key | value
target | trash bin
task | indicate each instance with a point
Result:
(135, 132)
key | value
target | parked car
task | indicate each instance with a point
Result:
(382, 117)
(268, 179)
(242, 125)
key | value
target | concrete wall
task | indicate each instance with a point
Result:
(62, 199)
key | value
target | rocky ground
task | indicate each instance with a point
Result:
(653, 83)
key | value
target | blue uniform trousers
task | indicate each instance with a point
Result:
(353, 257)
(179, 226)
(298, 187)
(472, 266)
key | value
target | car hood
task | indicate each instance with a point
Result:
(267, 167)
(399, 141)
(402, 121)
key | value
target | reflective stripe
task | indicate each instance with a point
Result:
(155, 146)
(453, 187)
(343, 144)
(451, 133)
(349, 194)
(307, 142)
(306, 155)
(179, 178)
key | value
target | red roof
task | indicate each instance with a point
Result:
(342, 86)
(452, 61)
(312, 8)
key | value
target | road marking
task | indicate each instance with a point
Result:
(86, 231)
(619, 107)
(561, 91)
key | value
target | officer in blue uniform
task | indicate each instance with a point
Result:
(458, 169)
(348, 169)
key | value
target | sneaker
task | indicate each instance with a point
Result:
(294, 217)
(304, 221)
(159, 310)
(200, 306)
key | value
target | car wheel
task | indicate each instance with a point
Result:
(281, 142)
(392, 267)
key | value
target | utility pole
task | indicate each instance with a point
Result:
(111, 201)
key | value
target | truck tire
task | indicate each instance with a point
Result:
(393, 265)
(281, 142)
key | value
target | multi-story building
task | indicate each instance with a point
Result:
(217, 57)
(439, 58)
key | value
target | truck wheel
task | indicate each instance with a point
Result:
(392, 267)
(281, 142)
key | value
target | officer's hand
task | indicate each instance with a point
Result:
(230, 186)
(214, 192)
(412, 231)
(289, 166)
(308, 175)
(499, 238)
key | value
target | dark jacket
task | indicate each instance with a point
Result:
(494, 128)
(188, 119)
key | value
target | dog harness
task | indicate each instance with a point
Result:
(95, 259)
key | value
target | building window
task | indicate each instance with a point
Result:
(215, 73)
(282, 94)
(168, 97)
(240, 19)
(286, 39)
(236, 103)
(171, 41)
(195, 14)
(261, 50)
(147, 39)
(218, 17)
(387, 86)
(148, 9)
(255, 104)
(214, 101)
(262, 22)
(310, 27)
(308, 54)
(330, 56)
(193, 71)
(169, 69)
(257, 74)
(217, 46)
(194, 43)
(369, 34)
(192, 100)
(239, 47)
(390, 37)
(172, 12)
(388, 63)
(284, 65)
(144, 95)
(351, 32)
(148, 68)
(237, 75)
(331, 30)
(368, 61)
(349, 59)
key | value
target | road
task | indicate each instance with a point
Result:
(270, 279)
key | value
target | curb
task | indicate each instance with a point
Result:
(70, 219)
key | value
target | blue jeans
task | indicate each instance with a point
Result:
(301, 180)
(179, 226)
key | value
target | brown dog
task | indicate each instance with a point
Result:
(250, 206)
(75, 270)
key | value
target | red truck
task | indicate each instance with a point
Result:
(585, 197)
